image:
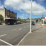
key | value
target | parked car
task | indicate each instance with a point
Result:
(18, 22)
(8, 23)
(33, 23)
(11, 23)
(15, 23)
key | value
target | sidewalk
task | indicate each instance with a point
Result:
(37, 37)
(2, 24)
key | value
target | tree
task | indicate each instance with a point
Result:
(41, 17)
(1, 19)
(18, 18)
(27, 18)
(37, 18)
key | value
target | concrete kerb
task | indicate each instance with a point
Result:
(44, 25)
(24, 37)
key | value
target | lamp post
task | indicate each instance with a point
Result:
(31, 16)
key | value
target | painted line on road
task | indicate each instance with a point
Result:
(23, 38)
(20, 28)
(2, 35)
(6, 42)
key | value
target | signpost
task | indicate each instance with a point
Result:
(43, 19)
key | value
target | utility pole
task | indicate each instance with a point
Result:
(31, 16)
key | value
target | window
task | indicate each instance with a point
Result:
(6, 14)
(10, 15)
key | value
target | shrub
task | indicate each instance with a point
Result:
(44, 22)
(1, 19)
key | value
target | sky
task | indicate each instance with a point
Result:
(23, 7)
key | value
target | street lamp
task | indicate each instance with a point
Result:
(31, 16)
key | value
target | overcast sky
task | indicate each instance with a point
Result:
(23, 7)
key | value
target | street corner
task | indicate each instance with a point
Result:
(43, 25)
(2, 25)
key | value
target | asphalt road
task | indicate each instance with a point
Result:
(12, 34)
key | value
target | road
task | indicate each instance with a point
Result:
(12, 34)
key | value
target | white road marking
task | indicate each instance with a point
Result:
(6, 42)
(2, 35)
(20, 28)
(23, 38)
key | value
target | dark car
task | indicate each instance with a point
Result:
(11, 23)
(8, 23)
(16, 22)
(33, 23)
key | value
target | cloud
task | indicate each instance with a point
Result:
(1, 6)
(23, 16)
(25, 6)
(38, 9)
